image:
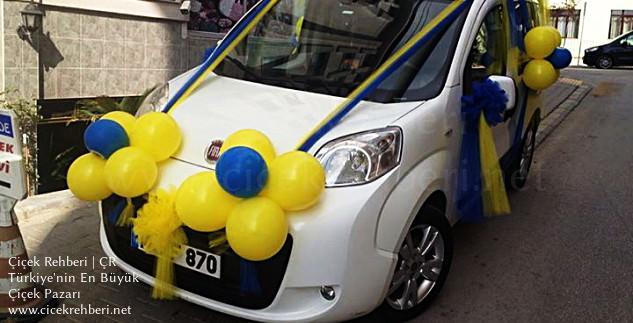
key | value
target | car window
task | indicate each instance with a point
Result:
(489, 51)
(424, 74)
(627, 41)
(533, 9)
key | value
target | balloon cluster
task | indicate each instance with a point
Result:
(249, 194)
(124, 152)
(542, 46)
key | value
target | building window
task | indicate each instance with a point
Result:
(217, 16)
(621, 22)
(566, 21)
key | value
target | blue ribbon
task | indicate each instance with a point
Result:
(249, 280)
(369, 88)
(487, 98)
(226, 41)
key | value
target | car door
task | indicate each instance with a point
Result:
(624, 52)
(488, 57)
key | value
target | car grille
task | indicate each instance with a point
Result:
(227, 289)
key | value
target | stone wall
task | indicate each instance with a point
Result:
(88, 54)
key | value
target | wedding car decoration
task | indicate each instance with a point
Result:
(251, 194)
(541, 45)
(248, 194)
(252, 189)
(481, 188)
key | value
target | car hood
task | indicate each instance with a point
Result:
(221, 106)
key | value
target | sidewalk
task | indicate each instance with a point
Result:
(559, 100)
(57, 224)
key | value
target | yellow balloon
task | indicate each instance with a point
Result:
(86, 180)
(257, 229)
(202, 204)
(158, 134)
(295, 181)
(125, 119)
(556, 33)
(252, 139)
(540, 42)
(131, 172)
(539, 74)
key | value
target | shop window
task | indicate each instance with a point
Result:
(217, 16)
(566, 21)
(621, 22)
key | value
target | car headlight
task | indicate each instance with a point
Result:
(360, 158)
(155, 100)
(592, 49)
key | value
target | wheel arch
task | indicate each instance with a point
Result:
(423, 185)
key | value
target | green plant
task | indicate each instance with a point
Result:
(26, 112)
(92, 109)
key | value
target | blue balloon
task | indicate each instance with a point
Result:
(104, 137)
(242, 172)
(560, 58)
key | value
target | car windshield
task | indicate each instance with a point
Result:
(331, 46)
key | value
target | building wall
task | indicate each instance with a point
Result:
(89, 53)
(20, 60)
(595, 19)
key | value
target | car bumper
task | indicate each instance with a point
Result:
(332, 244)
(590, 59)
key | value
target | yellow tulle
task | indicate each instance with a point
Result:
(159, 231)
(494, 196)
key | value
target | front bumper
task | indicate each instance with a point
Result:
(330, 244)
(590, 58)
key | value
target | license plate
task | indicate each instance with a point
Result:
(193, 259)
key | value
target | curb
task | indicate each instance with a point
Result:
(558, 114)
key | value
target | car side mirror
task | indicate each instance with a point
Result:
(507, 84)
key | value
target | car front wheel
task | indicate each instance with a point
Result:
(604, 62)
(424, 260)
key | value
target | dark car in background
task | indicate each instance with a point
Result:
(619, 52)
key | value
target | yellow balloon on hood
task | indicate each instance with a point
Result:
(130, 172)
(124, 119)
(202, 204)
(295, 181)
(86, 178)
(158, 134)
(257, 229)
(252, 139)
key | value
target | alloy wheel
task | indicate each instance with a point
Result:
(419, 266)
(605, 62)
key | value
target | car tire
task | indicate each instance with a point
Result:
(424, 271)
(604, 62)
(520, 169)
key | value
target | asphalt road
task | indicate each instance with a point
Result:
(566, 251)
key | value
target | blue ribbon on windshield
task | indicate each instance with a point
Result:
(217, 52)
(382, 73)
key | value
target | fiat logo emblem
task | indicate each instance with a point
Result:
(212, 153)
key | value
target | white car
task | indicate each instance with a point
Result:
(380, 238)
